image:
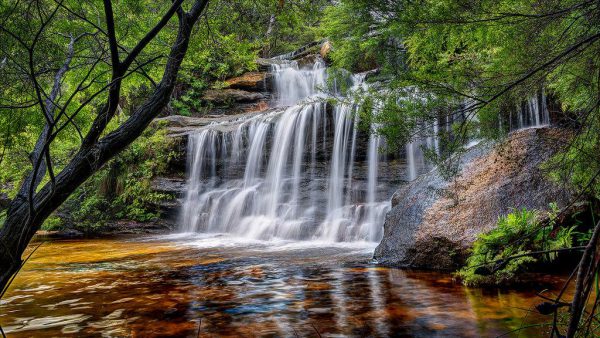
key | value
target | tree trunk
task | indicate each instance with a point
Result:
(20, 225)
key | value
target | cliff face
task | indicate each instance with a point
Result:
(433, 222)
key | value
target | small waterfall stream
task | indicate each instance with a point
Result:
(302, 171)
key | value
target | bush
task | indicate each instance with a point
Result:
(122, 189)
(517, 233)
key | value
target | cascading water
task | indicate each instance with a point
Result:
(299, 172)
(531, 113)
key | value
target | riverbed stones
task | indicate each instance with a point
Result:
(433, 221)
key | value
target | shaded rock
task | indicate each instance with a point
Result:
(4, 201)
(307, 61)
(310, 48)
(174, 186)
(433, 222)
(241, 108)
(227, 96)
(265, 64)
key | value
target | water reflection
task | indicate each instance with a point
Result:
(177, 287)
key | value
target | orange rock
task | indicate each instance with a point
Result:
(252, 81)
(326, 48)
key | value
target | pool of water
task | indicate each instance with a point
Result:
(191, 285)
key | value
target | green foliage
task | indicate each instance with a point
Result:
(493, 53)
(517, 233)
(122, 190)
(579, 164)
(52, 223)
(225, 43)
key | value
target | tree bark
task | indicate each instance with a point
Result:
(20, 225)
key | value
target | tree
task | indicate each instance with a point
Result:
(101, 64)
(475, 60)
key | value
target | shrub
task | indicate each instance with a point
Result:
(518, 233)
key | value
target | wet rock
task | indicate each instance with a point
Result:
(307, 61)
(174, 186)
(433, 222)
(229, 96)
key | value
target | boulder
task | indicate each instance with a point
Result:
(433, 222)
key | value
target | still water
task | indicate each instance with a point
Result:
(193, 285)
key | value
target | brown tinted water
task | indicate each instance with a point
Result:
(219, 286)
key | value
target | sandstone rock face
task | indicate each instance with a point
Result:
(225, 96)
(252, 81)
(433, 222)
(326, 48)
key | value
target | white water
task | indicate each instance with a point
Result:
(532, 113)
(293, 173)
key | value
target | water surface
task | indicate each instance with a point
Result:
(190, 285)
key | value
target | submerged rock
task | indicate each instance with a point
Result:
(433, 222)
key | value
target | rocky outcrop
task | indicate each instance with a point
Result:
(175, 188)
(252, 81)
(433, 222)
(325, 50)
(249, 92)
(229, 96)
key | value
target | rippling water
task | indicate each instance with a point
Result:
(189, 286)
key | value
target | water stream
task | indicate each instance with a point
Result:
(217, 285)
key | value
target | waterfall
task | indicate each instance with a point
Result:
(531, 113)
(302, 171)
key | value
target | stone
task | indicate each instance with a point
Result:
(174, 186)
(433, 222)
(228, 96)
(252, 81)
(326, 49)
(266, 64)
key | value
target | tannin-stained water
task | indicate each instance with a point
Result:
(214, 285)
(302, 171)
